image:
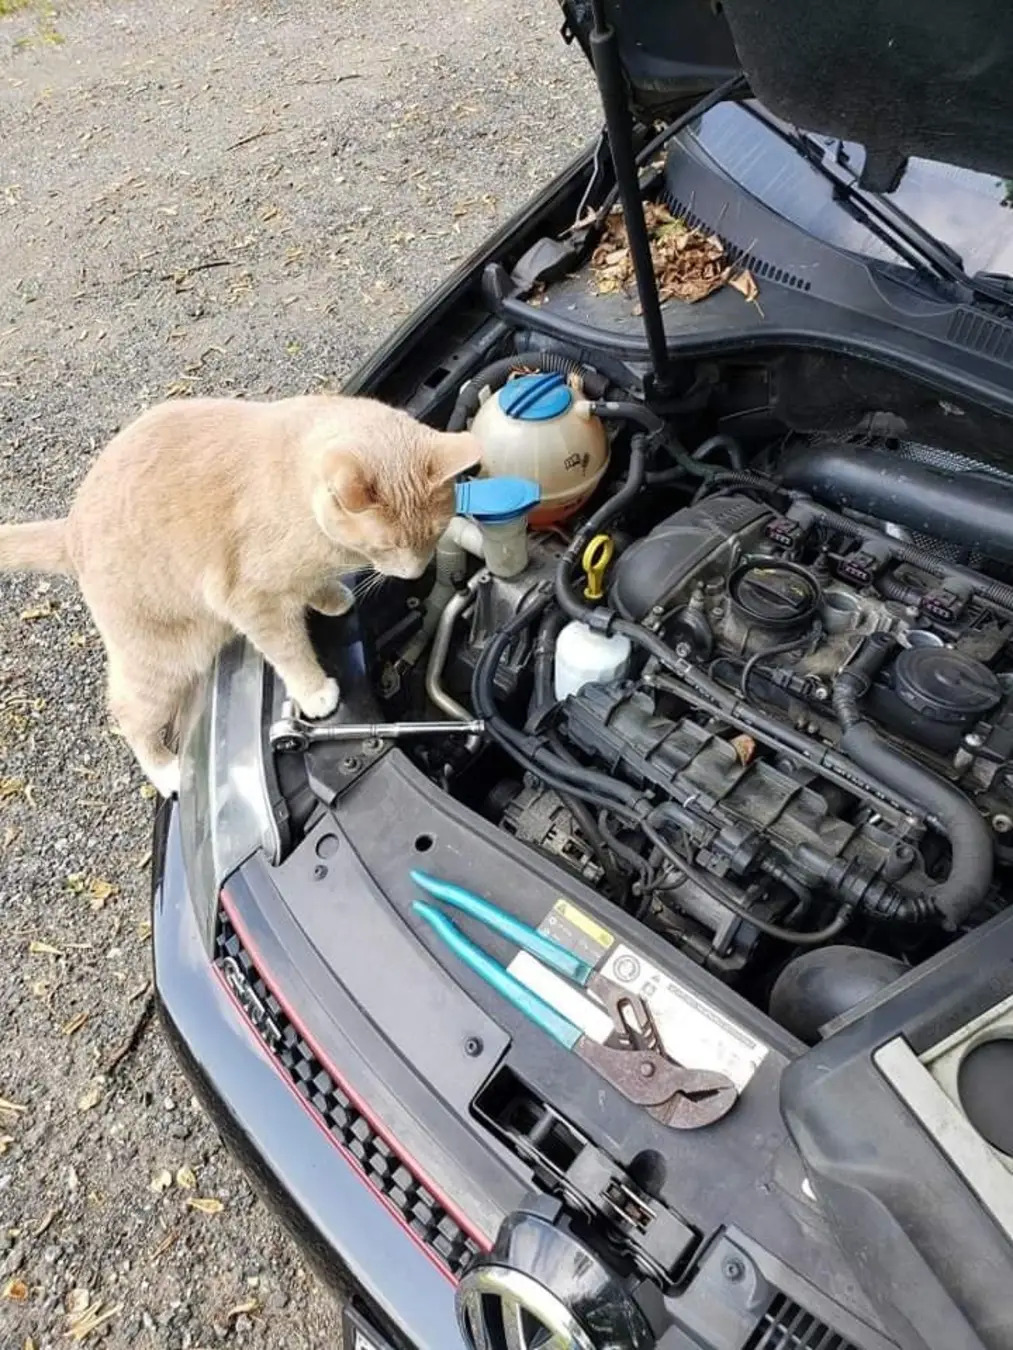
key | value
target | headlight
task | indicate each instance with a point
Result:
(224, 804)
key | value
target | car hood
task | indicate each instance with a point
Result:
(929, 81)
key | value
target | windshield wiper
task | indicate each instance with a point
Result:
(910, 240)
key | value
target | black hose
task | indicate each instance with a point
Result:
(972, 510)
(543, 662)
(494, 376)
(798, 937)
(732, 479)
(892, 589)
(623, 851)
(615, 880)
(950, 811)
(529, 750)
(731, 447)
(619, 500)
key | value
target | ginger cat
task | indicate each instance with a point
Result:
(206, 518)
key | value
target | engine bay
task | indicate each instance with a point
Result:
(775, 728)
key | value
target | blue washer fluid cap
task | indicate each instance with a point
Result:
(494, 501)
(536, 398)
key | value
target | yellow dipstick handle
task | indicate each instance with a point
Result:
(596, 559)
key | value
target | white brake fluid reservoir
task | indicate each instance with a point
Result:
(586, 657)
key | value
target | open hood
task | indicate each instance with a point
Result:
(930, 81)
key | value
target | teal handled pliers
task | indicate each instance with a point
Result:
(636, 1066)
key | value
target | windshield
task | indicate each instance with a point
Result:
(962, 208)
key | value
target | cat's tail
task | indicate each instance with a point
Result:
(37, 546)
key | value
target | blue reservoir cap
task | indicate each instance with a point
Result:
(496, 500)
(536, 398)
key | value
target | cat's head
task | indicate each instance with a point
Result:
(390, 499)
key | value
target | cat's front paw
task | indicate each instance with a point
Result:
(319, 702)
(165, 779)
(333, 600)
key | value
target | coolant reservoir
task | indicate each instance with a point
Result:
(586, 657)
(533, 428)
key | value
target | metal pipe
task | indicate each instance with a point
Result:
(440, 650)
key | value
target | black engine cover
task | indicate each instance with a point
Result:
(654, 568)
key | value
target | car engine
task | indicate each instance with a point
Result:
(767, 711)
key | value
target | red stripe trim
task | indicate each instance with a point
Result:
(459, 1217)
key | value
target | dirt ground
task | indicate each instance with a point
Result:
(221, 196)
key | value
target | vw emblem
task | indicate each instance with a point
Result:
(542, 1289)
(499, 1306)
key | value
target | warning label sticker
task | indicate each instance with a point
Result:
(693, 1033)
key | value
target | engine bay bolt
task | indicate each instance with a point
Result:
(973, 741)
(319, 872)
(349, 764)
(733, 1269)
(646, 1069)
(473, 1046)
(820, 693)
(372, 745)
(1002, 824)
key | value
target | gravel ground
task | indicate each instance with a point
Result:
(219, 197)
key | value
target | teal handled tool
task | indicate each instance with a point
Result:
(636, 1067)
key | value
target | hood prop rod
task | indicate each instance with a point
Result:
(618, 124)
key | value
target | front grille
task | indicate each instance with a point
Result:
(786, 1326)
(386, 1172)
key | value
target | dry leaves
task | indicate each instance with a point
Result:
(91, 1097)
(167, 1243)
(80, 1325)
(251, 1305)
(9, 1111)
(186, 1178)
(45, 610)
(75, 1024)
(206, 1206)
(39, 948)
(16, 1291)
(689, 265)
(5, 1142)
(97, 889)
(15, 787)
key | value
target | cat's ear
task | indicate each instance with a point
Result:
(453, 452)
(349, 484)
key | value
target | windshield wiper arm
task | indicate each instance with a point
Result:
(905, 235)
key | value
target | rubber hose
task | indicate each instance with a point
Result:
(586, 783)
(543, 662)
(797, 936)
(970, 875)
(731, 447)
(892, 589)
(734, 479)
(960, 508)
(494, 376)
(599, 619)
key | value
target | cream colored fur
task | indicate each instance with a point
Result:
(211, 517)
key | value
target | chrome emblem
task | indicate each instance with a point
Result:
(499, 1308)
